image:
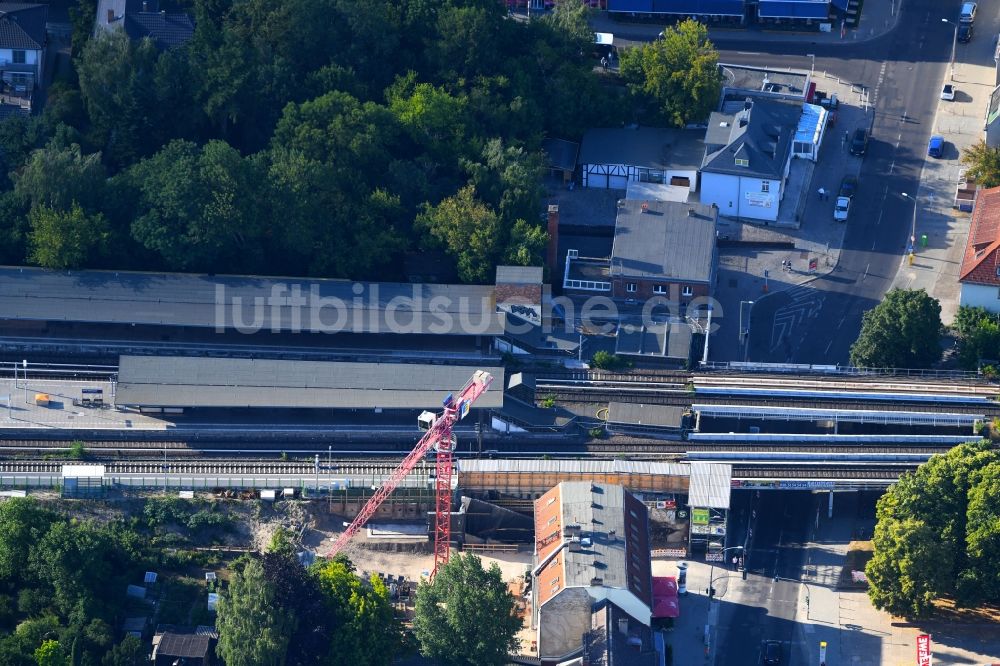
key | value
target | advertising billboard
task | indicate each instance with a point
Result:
(924, 650)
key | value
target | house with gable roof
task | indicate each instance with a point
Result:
(748, 155)
(22, 47)
(980, 271)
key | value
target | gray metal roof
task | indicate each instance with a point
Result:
(575, 466)
(245, 302)
(710, 485)
(560, 154)
(761, 134)
(158, 381)
(519, 275)
(653, 147)
(579, 507)
(652, 415)
(22, 26)
(669, 240)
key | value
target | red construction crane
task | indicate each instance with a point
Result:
(438, 436)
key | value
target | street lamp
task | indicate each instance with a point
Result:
(913, 225)
(745, 329)
(954, 44)
(711, 571)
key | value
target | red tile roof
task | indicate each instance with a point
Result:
(982, 253)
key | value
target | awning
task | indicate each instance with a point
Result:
(665, 602)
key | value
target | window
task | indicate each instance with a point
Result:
(765, 186)
(659, 289)
(687, 291)
(630, 287)
(552, 520)
(742, 162)
(19, 57)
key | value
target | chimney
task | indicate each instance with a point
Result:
(553, 248)
(111, 16)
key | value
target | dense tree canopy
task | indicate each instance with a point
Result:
(61, 584)
(466, 615)
(903, 331)
(938, 534)
(679, 72)
(304, 137)
(979, 336)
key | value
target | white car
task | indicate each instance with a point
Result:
(842, 208)
(948, 92)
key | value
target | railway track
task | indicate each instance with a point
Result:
(683, 398)
(867, 472)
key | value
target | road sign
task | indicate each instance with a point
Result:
(924, 650)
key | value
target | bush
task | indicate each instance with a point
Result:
(596, 432)
(77, 451)
(606, 361)
(549, 401)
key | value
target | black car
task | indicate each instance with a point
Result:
(965, 32)
(771, 653)
(859, 143)
(848, 186)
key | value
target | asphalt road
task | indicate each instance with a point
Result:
(903, 71)
(763, 607)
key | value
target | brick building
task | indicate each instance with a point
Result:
(591, 549)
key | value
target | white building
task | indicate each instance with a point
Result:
(612, 157)
(748, 155)
(22, 46)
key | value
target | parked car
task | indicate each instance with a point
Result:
(842, 209)
(948, 92)
(771, 653)
(859, 143)
(965, 33)
(848, 186)
(968, 13)
(935, 147)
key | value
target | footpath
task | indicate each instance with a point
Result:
(936, 264)
(854, 631)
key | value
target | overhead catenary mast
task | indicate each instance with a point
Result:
(438, 436)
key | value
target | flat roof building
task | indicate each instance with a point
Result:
(182, 382)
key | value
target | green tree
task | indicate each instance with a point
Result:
(680, 72)
(66, 239)
(200, 207)
(979, 336)
(527, 244)
(465, 616)
(903, 331)
(983, 162)
(23, 521)
(365, 631)
(57, 177)
(468, 229)
(118, 86)
(253, 629)
(932, 526)
(130, 652)
(50, 653)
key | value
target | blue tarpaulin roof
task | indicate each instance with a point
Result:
(811, 9)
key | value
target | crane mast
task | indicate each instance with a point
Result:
(439, 437)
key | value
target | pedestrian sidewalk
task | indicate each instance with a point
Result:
(693, 636)
(936, 263)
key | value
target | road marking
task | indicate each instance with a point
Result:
(893, 165)
(879, 220)
(748, 52)
(828, 345)
(873, 244)
(866, 275)
(842, 320)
